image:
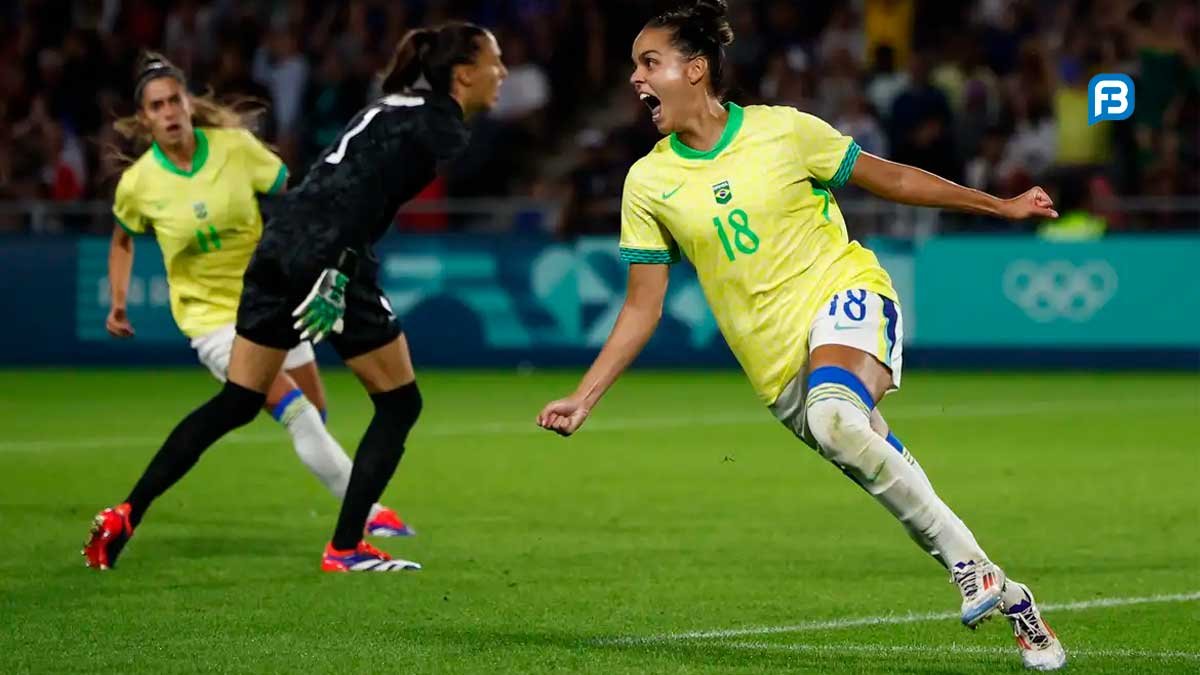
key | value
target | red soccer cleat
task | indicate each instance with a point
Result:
(110, 532)
(387, 523)
(364, 558)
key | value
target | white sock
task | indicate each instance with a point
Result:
(1013, 595)
(319, 451)
(315, 446)
(964, 531)
(841, 425)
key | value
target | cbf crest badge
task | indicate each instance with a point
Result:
(722, 192)
(200, 211)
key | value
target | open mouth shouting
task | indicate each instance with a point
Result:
(654, 104)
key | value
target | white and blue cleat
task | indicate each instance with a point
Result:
(1040, 648)
(982, 586)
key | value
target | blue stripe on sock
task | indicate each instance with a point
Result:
(895, 442)
(277, 411)
(836, 375)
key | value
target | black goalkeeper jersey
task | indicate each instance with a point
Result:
(387, 154)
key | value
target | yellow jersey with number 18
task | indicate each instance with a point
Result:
(206, 220)
(757, 217)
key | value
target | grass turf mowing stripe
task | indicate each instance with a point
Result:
(893, 619)
(996, 409)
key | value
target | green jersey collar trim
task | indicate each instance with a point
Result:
(198, 159)
(732, 126)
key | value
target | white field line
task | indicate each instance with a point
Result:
(891, 620)
(886, 650)
(926, 411)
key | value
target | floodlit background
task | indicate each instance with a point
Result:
(1051, 386)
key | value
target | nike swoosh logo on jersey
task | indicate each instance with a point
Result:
(667, 195)
(839, 326)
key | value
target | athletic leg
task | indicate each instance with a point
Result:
(855, 357)
(264, 334)
(373, 346)
(295, 401)
(1038, 644)
(316, 448)
(843, 385)
(880, 426)
(252, 369)
(288, 404)
(387, 374)
(308, 378)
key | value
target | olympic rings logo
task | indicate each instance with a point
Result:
(1058, 289)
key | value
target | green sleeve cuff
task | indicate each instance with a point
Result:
(846, 167)
(280, 180)
(649, 255)
(124, 226)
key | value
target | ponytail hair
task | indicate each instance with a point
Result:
(431, 54)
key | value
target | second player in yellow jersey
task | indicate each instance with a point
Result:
(756, 215)
(206, 220)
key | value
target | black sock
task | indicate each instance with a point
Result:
(233, 407)
(379, 453)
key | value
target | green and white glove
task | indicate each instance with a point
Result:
(321, 312)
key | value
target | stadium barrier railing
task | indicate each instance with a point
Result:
(865, 216)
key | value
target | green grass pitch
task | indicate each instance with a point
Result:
(682, 507)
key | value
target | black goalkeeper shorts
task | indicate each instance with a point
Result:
(273, 287)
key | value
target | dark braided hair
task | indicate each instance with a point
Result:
(700, 29)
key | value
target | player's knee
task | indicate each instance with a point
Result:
(237, 405)
(838, 417)
(840, 428)
(289, 406)
(399, 408)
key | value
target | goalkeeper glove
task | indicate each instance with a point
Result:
(321, 312)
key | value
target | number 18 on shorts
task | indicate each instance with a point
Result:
(864, 320)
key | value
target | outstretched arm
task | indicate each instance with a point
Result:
(120, 266)
(635, 324)
(909, 185)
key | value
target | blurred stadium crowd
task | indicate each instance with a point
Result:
(991, 93)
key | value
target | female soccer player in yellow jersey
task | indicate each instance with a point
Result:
(747, 195)
(196, 187)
